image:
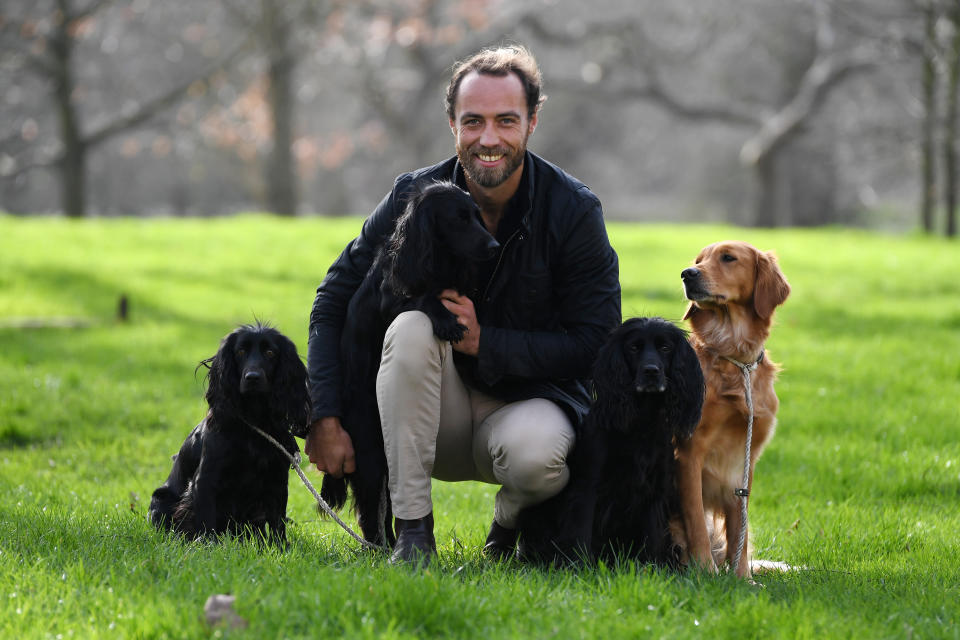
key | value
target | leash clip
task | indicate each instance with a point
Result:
(741, 493)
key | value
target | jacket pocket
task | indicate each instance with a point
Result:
(532, 300)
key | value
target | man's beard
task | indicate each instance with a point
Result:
(491, 177)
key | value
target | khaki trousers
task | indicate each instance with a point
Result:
(434, 426)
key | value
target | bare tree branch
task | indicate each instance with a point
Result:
(86, 12)
(825, 72)
(639, 46)
(146, 110)
(42, 64)
(27, 167)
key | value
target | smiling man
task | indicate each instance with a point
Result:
(501, 405)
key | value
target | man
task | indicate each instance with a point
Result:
(500, 405)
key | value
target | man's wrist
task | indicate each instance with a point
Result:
(326, 423)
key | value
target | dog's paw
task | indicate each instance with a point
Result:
(449, 330)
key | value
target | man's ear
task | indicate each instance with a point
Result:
(453, 127)
(533, 122)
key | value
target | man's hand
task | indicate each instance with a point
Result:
(329, 447)
(462, 308)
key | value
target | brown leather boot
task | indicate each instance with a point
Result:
(501, 542)
(415, 541)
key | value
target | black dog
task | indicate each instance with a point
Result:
(622, 492)
(227, 478)
(437, 244)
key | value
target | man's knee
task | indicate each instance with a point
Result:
(409, 341)
(530, 454)
(539, 476)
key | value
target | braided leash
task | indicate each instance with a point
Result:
(744, 492)
(295, 463)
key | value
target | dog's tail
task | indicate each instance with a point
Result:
(333, 491)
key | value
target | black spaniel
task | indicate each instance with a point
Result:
(649, 391)
(227, 478)
(437, 244)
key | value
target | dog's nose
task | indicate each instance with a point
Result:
(491, 248)
(252, 376)
(690, 273)
(651, 370)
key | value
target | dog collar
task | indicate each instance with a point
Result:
(744, 366)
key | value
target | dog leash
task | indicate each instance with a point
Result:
(744, 492)
(295, 463)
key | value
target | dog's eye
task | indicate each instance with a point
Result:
(665, 347)
(270, 353)
(241, 353)
(728, 258)
(633, 348)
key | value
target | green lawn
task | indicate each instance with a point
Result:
(861, 484)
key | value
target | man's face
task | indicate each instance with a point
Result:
(491, 127)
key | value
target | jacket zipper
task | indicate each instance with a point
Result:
(496, 267)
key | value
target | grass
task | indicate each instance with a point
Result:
(860, 484)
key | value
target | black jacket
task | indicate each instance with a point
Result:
(552, 296)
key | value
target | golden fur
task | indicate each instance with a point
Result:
(734, 289)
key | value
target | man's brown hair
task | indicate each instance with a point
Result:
(499, 61)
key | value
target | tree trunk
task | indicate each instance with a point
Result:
(73, 159)
(950, 128)
(281, 172)
(808, 174)
(766, 201)
(928, 187)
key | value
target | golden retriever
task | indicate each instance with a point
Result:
(733, 290)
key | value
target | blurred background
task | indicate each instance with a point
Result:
(765, 113)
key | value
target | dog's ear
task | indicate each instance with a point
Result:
(771, 288)
(223, 377)
(411, 248)
(610, 367)
(290, 399)
(685, 388)
(612, 374)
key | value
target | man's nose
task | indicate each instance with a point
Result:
(489, 136)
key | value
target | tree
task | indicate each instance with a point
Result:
(950, 130)
(46, 36)
(808, 80)
(928, 176)
(273, 24)
(404, 58)
(938, 50)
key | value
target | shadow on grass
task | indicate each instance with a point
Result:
(832, 322)
(12, 437)
(97, 297)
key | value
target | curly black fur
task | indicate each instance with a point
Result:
(437, 244)
(227, 478)
(622, 492)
